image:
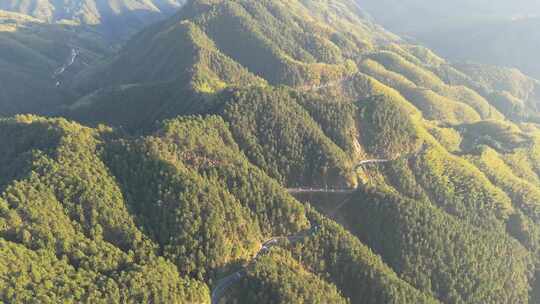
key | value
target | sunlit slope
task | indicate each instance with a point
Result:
(64, 217)
(286, 95)
(283, 42)
(212, 45)
(72, 199)
(198, 62)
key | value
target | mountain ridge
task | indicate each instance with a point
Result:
(198, 126)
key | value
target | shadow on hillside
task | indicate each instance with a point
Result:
(32, 51)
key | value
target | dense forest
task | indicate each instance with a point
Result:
(270, 151)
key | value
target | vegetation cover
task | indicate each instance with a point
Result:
(176, 164)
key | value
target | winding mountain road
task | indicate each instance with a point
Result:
(338, 190)
(225, 283)
(320, 190)
(371, 161)
(356, 167)
(333, 83)
(71, 60)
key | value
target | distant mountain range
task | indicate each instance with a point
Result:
(417, 15)
(496, 32)
(115, 18)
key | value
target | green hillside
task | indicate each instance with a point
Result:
(74, 199)
(218, 35)
(274, 152)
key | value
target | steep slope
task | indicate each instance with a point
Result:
(313, 51)
(191, 63)
(279, 278)
(510, 91)
(427, 176)
(72, 200)
(43, 44)
(294, 44)
(422, 246)
(66, 234)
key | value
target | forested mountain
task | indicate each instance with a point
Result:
(113, 18)
(495, 32)
(275, 151)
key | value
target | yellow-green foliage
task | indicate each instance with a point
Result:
(284, 42)
(461, 189)
(405, 52)
(473, 99)
(406, 75)
(425, 55)
(500, 79)
(525, 162)
(390, 78)
(441, 102)
(419, 76)
(346, 260)
(422, 241)
(385, 128)
(177, 205)
(303, 54)
(524, 194)
(508, 104)
(337, 120)
(207, 146)
(378, 88)
(201, 62)
(154, 216)
(66, 234)
(511, 92)
(279, 278)
(437, 107)
(495, 133)
(449, 138)
(161, 214)
(417, 71)
(40, 277)
(280, 136)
